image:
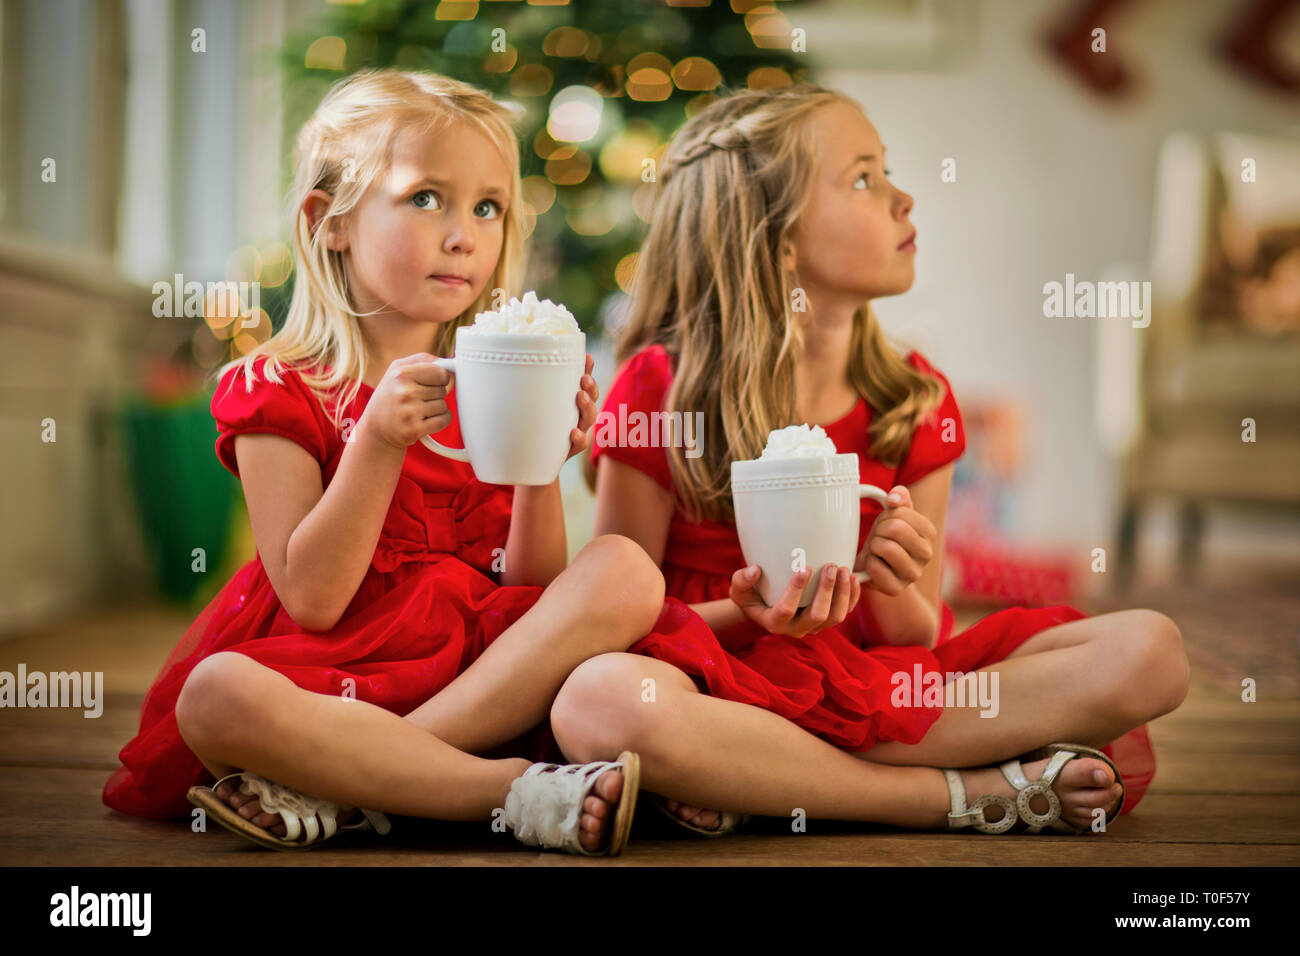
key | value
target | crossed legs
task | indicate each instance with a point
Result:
(236, 714)
(1086, 681)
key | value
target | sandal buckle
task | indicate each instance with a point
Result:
(982, 823)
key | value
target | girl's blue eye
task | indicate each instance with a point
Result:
(865, 176)
(495, 206)
(416, 197)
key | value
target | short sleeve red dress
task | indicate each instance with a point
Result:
(429, 604)
(835, 683)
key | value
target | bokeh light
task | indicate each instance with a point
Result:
(207, 349)
(244, 265)
(696, 73)
(568, 42)
(625, 271)
(502, 62)
(547, 147)
(570, 170)
(532, 79)
(768, 78)
(456, 10)
(623, 157)
(327, 53)
(575, 114)
(539, 193)
(277, 262)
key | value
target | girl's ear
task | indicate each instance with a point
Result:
(314, 207)
(788, 257)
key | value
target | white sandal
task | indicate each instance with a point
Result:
(544, 806)
(311, 818)
(959, 817)
(728, 821)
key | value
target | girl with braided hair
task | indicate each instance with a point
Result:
(774, 227)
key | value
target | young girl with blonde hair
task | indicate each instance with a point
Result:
(400, 615)
(775, 225)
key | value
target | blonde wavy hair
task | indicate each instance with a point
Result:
(711, 289)
(343, 148)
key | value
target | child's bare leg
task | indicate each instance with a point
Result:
(237, 714)
(1087, 682)
(708, 752)
(606, 600)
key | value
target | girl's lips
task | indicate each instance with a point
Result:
(451, 280)
(909, 244)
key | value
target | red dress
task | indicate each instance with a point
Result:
(835, 683)
(428, 606)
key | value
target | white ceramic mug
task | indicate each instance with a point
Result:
(516, 400)
(798, 512)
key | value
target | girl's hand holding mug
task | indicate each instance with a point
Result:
(900, 545)
(409, 402)
(837, 595)
(578, 437)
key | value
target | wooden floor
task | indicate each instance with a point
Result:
(1225, 791)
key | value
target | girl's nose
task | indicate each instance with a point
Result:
(459, 238)
(904, 205)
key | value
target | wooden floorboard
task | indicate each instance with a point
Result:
(1225, 793)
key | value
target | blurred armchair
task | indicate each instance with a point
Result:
(1223, 347)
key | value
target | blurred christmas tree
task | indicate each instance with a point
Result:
(604, 85)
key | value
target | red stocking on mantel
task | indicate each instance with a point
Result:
(1070, 41)
(1246, 43)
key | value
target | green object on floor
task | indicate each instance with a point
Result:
(183, 495)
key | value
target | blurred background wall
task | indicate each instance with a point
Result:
(170, 152)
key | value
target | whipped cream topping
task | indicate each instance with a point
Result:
(798, 441)
(528, 316)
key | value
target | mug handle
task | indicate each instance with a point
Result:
(875, 494)
(458, 454)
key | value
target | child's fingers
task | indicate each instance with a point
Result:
(816, 614)
(745, 578)
(912, 517)
(912, 541)
(586, 412)
(906, 568)
(843, 592)
(426, 374)
(883, 578)
(784, 610)
(857, 594)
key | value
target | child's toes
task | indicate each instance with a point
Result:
(590, 831)
(1081, 807)
(709, 819)
(266, 820)
(610, 786)
(1082, 773)
(596, 807)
